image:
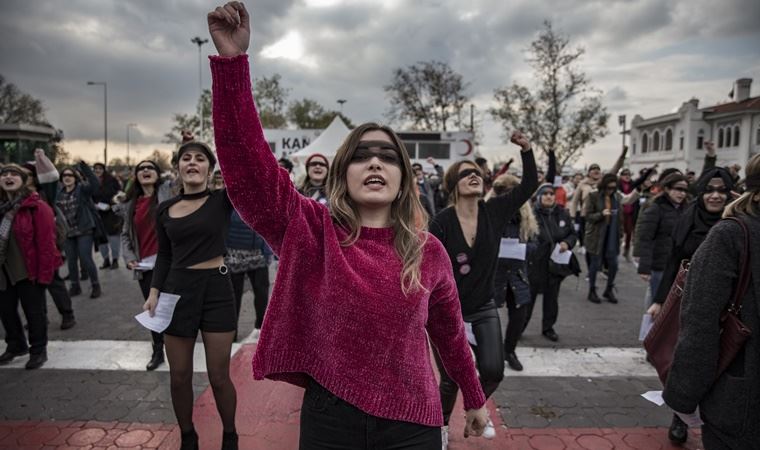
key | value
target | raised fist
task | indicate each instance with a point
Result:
(710, 148)
(230, 29)
(520, 139)
(187, 136)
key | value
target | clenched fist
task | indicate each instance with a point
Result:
(520, 139)
(230, 28)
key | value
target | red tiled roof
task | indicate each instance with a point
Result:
(748, 104)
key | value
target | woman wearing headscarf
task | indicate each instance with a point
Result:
(713, 191)
(555, 227)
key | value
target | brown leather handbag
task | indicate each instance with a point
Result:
(660, 343)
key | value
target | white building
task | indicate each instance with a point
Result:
(677, 139)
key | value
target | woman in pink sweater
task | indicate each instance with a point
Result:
(361, 285)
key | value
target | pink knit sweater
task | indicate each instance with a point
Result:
(337, 314)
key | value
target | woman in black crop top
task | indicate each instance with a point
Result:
(190, 263)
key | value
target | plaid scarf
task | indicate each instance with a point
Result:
(8, 210)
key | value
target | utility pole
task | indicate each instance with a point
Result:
(472, 118)
(199, 41)
(129, 125)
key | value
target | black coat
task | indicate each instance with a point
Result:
(730, 406)
(109, 187)
(553, 227)
(654, 230)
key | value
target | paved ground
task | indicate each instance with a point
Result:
(582, 392)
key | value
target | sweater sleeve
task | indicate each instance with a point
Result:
(713, 273)
(502, 208)
(446, 330)
(259, 189)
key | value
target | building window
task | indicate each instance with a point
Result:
(700, 139)
(437, 150)
(656, 142)
(669, 139)
(720, 138)
(645, 142)
(736, 136)
(680, 143)
(757, 136)
(727, 142)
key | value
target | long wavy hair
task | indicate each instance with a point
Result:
(748, 202)
(451, 179)
(407, 215)
(528, 223)
(136, 191)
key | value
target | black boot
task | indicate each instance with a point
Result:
(592, 297)
(75, 290)
(84, 275)
(106, 264)
(68, 321)
(513, 362)
(157, 359)
(230, 440)
(115, 264)
(189, 440)
(8, 356)
(36, 361)
(679, 431)
(609, 294)
(96, 292)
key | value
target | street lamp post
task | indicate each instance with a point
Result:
(621, 121)
(199, 42)
(341, 101)
(129, 125)
(105, 117)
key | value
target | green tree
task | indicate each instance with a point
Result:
(309, 114)
(18, 107)
(427, 96)
(192, 122)
(271, 98)
(563, 112)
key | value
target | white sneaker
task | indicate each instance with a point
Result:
(489, 432)
(445, 437)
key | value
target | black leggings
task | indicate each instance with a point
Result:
(260, 284)
(489, 357)
(549, 300)
(158, 338)
(32, 298)
(517, 315)
(327, 422)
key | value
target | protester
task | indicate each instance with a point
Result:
(313, 186)
(655, 228)
(571, 186)
(713, 190)
(626, 186)
(604, 229)
(428, 192)
(112, 223)
(139, 241)
(75, 201)
(555, 228)
(248, 255)
(511, 284)
(471, 230)
(286, 164)
(357, 280)
(190, 263)
(29, 258)
(729, 405)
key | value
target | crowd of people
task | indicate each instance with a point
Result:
(378, 260)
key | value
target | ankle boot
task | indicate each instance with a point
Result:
(96, 292)
(106, 264)
(609, 294)
(592, 297)
(189, 440)
(157, 359)
(678, 432)
(230, 440)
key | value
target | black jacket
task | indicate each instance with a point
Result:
(554, 226)
(654, 231)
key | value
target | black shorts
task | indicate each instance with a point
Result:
(206, 303)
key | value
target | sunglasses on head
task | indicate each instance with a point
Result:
(316, 164)
(467, 172)
(720, 190)
(386, 152)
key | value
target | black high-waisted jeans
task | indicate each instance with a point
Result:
(328, 422)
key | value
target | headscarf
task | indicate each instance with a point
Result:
(539, 193)
(696, 217)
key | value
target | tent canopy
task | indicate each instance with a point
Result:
(326, 144)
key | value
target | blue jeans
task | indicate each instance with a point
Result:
(596, 265)
(114, 241)
(80, 248)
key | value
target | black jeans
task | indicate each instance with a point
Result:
(517, 315)
(260, 284)
(158, 338)
(489, 357)
(32, 298)
(328, 422)
(60, 295)
(549, 300)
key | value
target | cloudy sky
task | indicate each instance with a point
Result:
(648, 56)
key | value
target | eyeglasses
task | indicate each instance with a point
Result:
(141, 168)
(720, 190)
(317, 164)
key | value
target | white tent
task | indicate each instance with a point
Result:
(326, 144)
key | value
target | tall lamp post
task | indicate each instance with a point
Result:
(105, 117)
(341, 101)
(199, 42)
(621, 121)
(129, 125)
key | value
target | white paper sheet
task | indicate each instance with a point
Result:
(577, 227)
(147, 263)
(558, 181)
(163, 314)
(561, 258)
(654, 397)
(102, 206)
(646, 325)
(512, 249)
(470, 334)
